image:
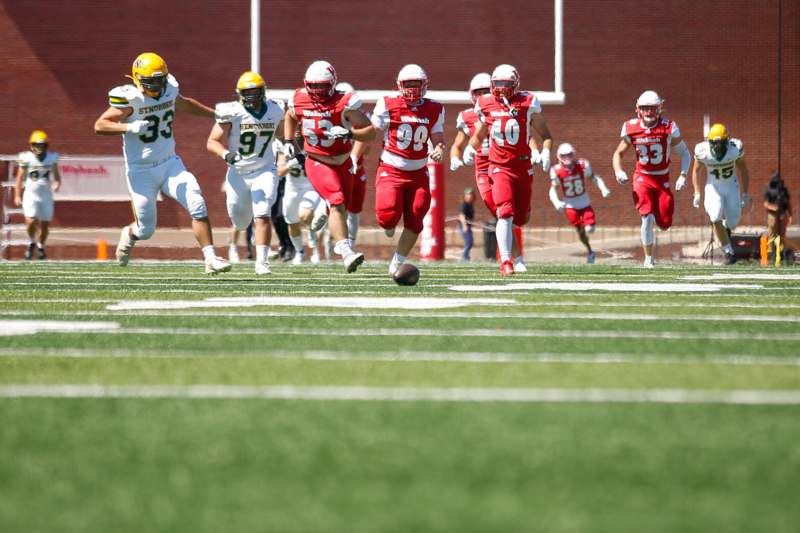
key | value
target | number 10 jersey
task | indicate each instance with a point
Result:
(252, 134)
(155, 143)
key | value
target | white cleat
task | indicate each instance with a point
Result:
(590, 258)
(318, 222)
(315, 259)
(298, 258)
(648, 262)
(519, 265)
(124, 247)
(393, 266)
(389, 232)
(217, 265)
(233, 254)
(353, 261)
(263, 269)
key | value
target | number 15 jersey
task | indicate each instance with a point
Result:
(509, 125)
(252, 134)
(155, 143)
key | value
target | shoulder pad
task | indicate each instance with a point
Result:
(23, 158)
(633, 121)
(280, 103)
(122, 95)
(224, 111)
(700, 150)
(353, 102)
(54, 156)
(172, 81)
(738, 144)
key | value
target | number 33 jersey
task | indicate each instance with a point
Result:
(155, 143)
(252, 134)
(509, 125)
(652, 146)
(720, 170)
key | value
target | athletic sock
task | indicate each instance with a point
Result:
(297, 242)
(728, 249)
(505, 237)
(262, 253)
(353, 220)
(208, 252)
(343, 248)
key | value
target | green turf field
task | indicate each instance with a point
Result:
(567, 399)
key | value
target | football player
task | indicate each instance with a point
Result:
(402, 186)
(301, 203)
(37, 173)
(143, 113)
(570, 175)
(244, 136)
(509, 116)
(466, 123)
(330, 121)
(653, 137)
(721, 157)
(356, 203)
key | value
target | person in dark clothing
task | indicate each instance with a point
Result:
(779, 211)
(466, 218)
(286, 251)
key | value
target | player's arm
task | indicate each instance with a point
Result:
(110, 121)
(289, 127)
(184, 103)
(539, 124)
(698, 169)
(18, 186)
(601, 185)
(458, 145)
(217, 142)
(56, 178)
(679, 147)
(362, 129)
(616, 160)
(741, 168)
(554, 186)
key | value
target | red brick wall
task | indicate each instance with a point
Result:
(703, 57)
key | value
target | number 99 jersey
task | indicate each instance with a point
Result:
(155, 143)
(407, 130)
(252, 134)
(509, 125)
(720, 170)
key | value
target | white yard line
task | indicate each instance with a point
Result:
(755, 276)
(603, 286)
(407, 394)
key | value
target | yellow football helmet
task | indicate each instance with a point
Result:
(252, 89)
(149, 73)
(718, 140)
(38, 142)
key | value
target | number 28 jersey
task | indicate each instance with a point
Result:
(408, 128)
(509, 125)
(252, 134)
(155, 143)
(573, 182)
(652, 146)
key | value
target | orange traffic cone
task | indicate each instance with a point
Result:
(102, 250)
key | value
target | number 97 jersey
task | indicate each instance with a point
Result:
(155, 143)
(251, 134)
(509, 125)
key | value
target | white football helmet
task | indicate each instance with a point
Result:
(480, 85)
(320, 80)
(505, 81)
(566, 154)
(412, 82)
(648, 108)
(344, 87)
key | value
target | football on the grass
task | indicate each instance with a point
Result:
(406, 274)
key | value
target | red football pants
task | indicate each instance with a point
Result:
(402, 193)
(333, 183)
(511, 189)
(654, 198)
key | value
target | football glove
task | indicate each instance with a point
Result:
(680, 183)
(288, 149)
(438, 153)
(622, 178)
(536, 157)
(232, 157)
(605, 192)
(469, 154)
(545, 156)
(137, 126)
(338, 132)
(696, 200)
(455, 163)
(560, 207)
(353, 165)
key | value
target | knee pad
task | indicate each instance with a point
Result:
(648, 233)
(196, 205)
(590, 229)
(144, 231)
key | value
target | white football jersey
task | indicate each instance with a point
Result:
(38, 174)
(720, 169)
(252, 134)
(155, 143)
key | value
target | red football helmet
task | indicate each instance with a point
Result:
(412, 82)
(320, 80)
(566, 155)
(649, 106)
(481, 84)
(505, 82)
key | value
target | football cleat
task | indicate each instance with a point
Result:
(353, 261)
(315, 259)
(507, 268)
(263, 269)
(233, 253)
(124, 247)
(393, 266)
(298, 258)
(648, 262)
(519, 265)
(590, 258)
(42, 254)
(29, 251)
(389, 232)
(217, 265)
(730, 259)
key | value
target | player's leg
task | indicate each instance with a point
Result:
(263, 189)
(523, 193)
(502, 192)
(588, 224)
(732, 209)
(182, 186)
(233, 249)
(355, 204)
(390, 205)
(30, 209)
(416, 203)
(290, 207)
(643, 199)
(665, 208)
(143, 186)
(45, 215)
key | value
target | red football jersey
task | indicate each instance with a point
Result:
(653, 145)
(407, 130)
(573, 182)
(467, 122)
(509, 130)
(315, 117)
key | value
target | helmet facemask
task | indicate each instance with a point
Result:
(567, 160)
(649, 114)
(153, 86)
(252, 98)
(319, 91)
(39, 149)
(718, 147)
(504, 89)
(412, 91)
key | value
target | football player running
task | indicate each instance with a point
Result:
(722, 158)
(402, 185)
(653, 138)
(37, 173)
(244, 136)
(143, 114)
(301, 203)
(509, 116)
(356, 202)
(329, 121)
(570, 176)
